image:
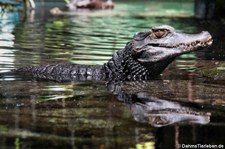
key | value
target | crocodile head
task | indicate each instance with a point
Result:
(159, 46)
(163, 42)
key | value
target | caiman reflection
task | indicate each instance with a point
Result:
(146, 108)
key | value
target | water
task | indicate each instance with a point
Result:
(182, 108)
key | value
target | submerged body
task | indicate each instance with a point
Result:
(143, 58)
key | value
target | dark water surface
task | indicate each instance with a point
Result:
(182, 108)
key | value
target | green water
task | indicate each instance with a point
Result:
(182, 108)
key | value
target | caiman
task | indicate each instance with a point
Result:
(143, 58)
(90, 4)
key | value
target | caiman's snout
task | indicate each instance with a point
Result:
(192, 42)
(207, 38)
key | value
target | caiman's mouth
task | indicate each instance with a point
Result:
(197, 43)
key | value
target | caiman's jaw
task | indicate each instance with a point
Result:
(163, 42)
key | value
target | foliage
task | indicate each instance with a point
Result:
(216, 73)
(9, 5)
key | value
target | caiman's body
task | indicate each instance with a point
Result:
(143, 58)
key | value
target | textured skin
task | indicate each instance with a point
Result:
(120, 67)
(64, 72)
(143, 58)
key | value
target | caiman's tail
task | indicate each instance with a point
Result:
(62, 72)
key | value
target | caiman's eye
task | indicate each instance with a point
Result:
(160, 33)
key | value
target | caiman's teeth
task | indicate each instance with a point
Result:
(191, 44)
(197, 43)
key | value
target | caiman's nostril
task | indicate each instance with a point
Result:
(206, 33)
